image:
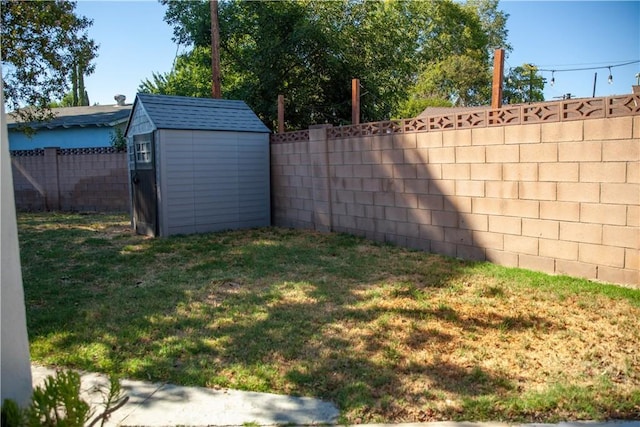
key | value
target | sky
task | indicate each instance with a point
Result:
(554, 35)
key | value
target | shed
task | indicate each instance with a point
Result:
(197, 165)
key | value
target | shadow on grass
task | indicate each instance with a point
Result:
(264, 310)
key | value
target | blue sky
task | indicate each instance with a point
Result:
(556, 35)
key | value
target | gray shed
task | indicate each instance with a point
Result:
(197, 165)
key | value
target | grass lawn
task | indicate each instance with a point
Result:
(386, 333)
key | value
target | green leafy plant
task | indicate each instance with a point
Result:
(118, 141)
(58, 404)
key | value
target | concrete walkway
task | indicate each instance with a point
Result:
(156, 404)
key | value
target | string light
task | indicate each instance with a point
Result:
(610, 79)
(553, 79)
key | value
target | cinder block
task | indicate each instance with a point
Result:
(627, 237)
(543, 152)
(457, 204)
(444, 248)
(457, 236)
(537, 263)
(579, 232)
(362, 171)
(470, 188)
(633, 216)
(442, 155)
(633, 172)
(603, 214)
(393, 185)
(545, 229)
(563, 211)
(620, 193)
(406, 200)
(384, 199)
(506, 259)
(365, 224)
(416, 156)
(505, 224)
(487, 206)
(521, 244)
(364, 197)
(431, 232)
(619, 275)
(520, 171)
(487, 136)
(404, 140)
(409, 229)
(471, 154)
(369, 157)
(562, 131)
(392, 156)
(431, 202)
(609, 128)
(430, 171)
(470, 221)
(395, 214)
(601, 255)
(502, 189)
(405, 171)
(456, 138)
(372, 184)
(488, 240)
(444, 218)
(350, 158)
(576, 269)
(419, 216)
(443, 187)
(469, 252)
(382, 142)
(429, 139)
(522, 208)
(578, 192)
(558, 249)
(503, 154)
(486, 172)
(632, 259)
(456, 171)
(537, 190)
(580, 151)
(625, 150)
(522, 134)
(416, 186)
(603, 172)
(559, 172)
(382, 170)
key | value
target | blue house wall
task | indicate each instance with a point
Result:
(75, 137)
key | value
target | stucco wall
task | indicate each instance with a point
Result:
(560, 197)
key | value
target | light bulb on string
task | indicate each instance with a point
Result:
(610, 79)
(553, 79)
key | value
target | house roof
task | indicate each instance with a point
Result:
(66, 117)
(187, 113)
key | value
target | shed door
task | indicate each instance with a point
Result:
(143, 179)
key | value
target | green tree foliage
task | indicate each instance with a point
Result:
(523, 84)
(309, 50)
(42, 42)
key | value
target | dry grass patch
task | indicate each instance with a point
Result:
(388, 334)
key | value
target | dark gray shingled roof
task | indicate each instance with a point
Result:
(65, 117)
(181, 112)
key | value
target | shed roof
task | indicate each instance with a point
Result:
(187, 113)
(66, 117)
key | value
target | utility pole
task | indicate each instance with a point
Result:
(216, 91)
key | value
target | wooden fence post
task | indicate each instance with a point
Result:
(498, 75)
(280, 113)
(355, 101)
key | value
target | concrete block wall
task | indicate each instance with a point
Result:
(560, 197)
(71, 180)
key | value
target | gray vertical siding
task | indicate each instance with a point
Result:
(211, 181)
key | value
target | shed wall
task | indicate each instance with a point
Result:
(211, 181)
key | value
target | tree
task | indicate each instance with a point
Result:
(523, 84)
(310, 50)
(42, 42)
